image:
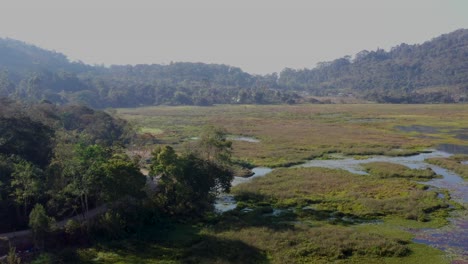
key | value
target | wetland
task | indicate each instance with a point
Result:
(331, 183)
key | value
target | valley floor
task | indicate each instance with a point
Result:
(307, 215)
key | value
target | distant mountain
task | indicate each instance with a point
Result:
(435, 71)
(21, 58)
(34, 74)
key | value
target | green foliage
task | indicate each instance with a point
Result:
(25, 183)
(98, 127)
(392, 170)
(12, 257)
(187, 184)
(112, 225)
(62, 158)
(40, 224)
(396, 76)
(214, 146)
(122, 178)
(72, 227)
(26, 138)
(328, 190)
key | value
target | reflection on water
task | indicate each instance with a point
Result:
(419, 129)
(226, 202)
(257, 172)
(452, 238)
(452, 148)
(246, 139)
(352, 165)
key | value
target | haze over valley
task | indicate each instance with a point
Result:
(241, 132)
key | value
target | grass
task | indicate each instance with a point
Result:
(326, 190)
(291, 134)
(392, 170)
(333, 216)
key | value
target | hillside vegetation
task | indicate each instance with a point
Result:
(435, 71)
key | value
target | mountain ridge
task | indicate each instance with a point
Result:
(434, 71)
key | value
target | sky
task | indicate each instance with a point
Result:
(259, 36)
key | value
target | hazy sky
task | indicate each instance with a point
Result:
(260, 36)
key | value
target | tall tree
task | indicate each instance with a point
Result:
(40, 224)
(25, 184)
(187, 184)
(214, 146)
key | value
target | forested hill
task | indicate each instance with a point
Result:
(435, 71)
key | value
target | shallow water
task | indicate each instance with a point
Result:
(419, 129)
(242, 138)
(453, 148)
(226, 202)
(353, 165)
(452, 238)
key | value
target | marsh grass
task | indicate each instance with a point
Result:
(291, 134)
(340, 191)
(392, 170)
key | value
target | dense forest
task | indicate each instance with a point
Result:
(60, 166)
(435, 71)
(64, 158)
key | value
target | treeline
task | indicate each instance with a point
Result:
(435, 71)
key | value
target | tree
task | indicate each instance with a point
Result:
(26, 138)
(165, 162)
(187, 184)
(122, 178)
(214, 146)
(40, 224)
(85, 174)
(25, 183)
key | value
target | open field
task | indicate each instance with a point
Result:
(305, 215)
(292, 134)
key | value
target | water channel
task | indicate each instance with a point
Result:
(452, 238)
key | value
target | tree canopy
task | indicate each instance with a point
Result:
(67, 159)
(189, 183)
